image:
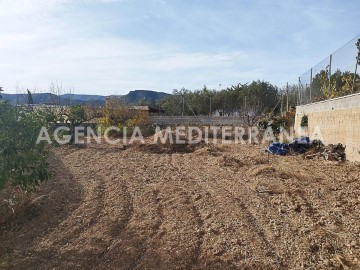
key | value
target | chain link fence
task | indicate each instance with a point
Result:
(336, 76)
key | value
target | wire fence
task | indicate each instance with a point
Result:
(337, 75)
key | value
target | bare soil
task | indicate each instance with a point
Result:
(218, 207)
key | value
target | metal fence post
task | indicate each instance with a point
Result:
(299, 102)
(311, 78)
(353, 85)
(330, 63)
(287, 96)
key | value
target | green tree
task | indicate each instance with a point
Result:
(29, 97)
(340, 84)
(237, 98)
(319, 85)
(22, 159)
(75, 116)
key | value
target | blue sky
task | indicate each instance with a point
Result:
(114, 46)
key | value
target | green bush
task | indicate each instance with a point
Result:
(74, 116)
(275, 122)
(304, 121)
(22, 161)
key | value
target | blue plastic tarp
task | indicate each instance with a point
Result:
(278, 148)
(299, 146)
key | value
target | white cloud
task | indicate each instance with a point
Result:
(112, 64)
(47, 40)
(41, 48)
(15, 10)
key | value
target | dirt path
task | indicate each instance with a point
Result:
(107, 208)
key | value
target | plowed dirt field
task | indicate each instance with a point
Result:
(219, 207)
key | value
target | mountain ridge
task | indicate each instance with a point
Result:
(134, 96)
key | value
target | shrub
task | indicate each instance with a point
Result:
(120, 114)
(75, 116)
(275, 122)
(22, 161)
(304, 121)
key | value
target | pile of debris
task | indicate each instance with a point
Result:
(310, 149)
(331, 152)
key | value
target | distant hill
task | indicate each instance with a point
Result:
(139, 95)
(41, 98)
(83, 97)
(135, 96)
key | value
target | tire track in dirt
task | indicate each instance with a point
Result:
(57, 199)
(268, 215)
(205, 202)
(170, 201)
(252, 220)
(98, 220)
(91, 192)
(255, 222)
(117, 210)
(309, 209)
(298, 203)
(294, 191)
(200, 230)
(141, 261)
(244, 214)
(191, 197)
(64, 240)
(256, 235)
(129, 249)
(272, 212)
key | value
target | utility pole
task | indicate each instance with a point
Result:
(210, 107)
(311, 78)
(287, 96)
(183, 107)
(330, 63)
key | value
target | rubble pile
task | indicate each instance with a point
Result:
(330, 152)
(310, 149)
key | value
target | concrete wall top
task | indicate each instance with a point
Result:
(346, 102)
(196, 120)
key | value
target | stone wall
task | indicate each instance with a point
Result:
(336, 121)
